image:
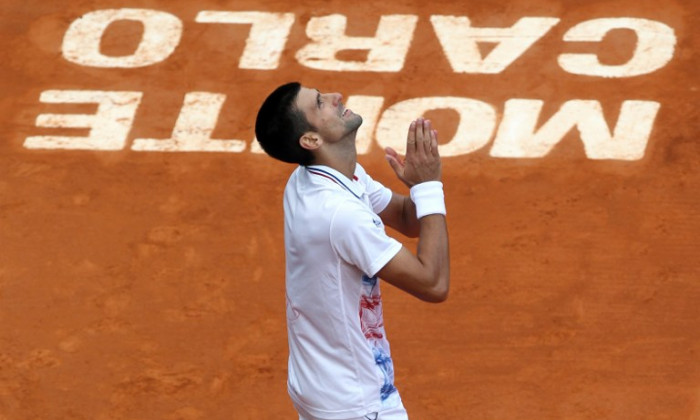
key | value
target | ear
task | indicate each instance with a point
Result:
(310, 140)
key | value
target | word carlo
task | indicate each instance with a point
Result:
(517, 135)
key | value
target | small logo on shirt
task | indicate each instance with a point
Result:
(377, 223)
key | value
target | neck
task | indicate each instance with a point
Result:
(341, 158)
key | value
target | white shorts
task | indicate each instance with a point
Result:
(396, 413)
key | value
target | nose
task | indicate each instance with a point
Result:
(337, 99)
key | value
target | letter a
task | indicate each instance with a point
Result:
(460, 41)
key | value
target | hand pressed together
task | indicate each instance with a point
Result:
(422, 161)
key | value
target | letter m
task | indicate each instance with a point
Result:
(518, 137)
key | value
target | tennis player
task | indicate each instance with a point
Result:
(337, 249)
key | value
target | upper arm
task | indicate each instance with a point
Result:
(395, 210)
(400, 214)
(358, 237)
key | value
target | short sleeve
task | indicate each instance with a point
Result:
(379, 195)
(359, 238)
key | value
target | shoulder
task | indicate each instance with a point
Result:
(359, 170)
(366, 179)
(362, 175)
(294, 178)
(351, 214)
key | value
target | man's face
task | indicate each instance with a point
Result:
(328, 114)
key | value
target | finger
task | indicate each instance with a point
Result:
(411, 139)
(428, 135)
(395, 164)
(420, 136)
(390, 151)
(434, 143)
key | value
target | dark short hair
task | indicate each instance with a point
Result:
(280, 124)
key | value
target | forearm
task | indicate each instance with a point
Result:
(410, 223)
(433, 251)
(426, 274)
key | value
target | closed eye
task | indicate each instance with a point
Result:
(318, 100)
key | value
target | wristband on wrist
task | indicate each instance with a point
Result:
(428, 198)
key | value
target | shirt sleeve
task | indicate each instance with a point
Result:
(379, 195)
(359, 238)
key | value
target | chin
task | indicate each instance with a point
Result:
(357, 121)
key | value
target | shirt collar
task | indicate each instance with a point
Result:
(354, 186)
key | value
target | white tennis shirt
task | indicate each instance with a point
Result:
(339, 358)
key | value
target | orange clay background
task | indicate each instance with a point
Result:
(150, 286)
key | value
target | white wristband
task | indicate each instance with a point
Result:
(428, 198)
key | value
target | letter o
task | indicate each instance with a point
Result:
(477, 121)
(161, 35)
